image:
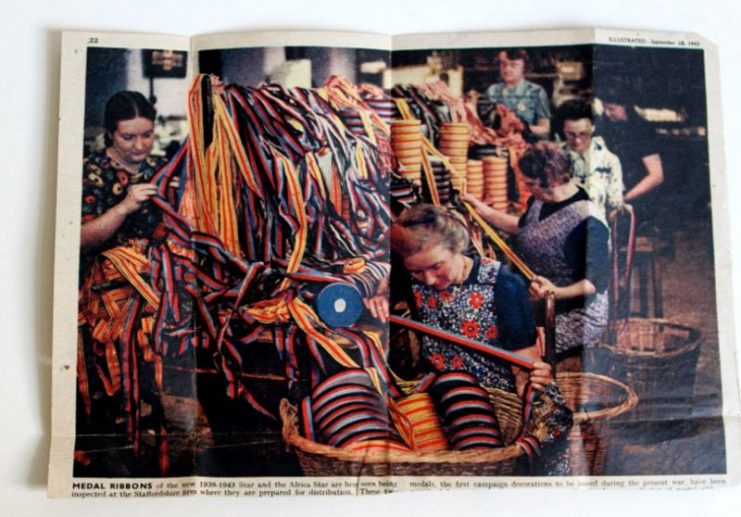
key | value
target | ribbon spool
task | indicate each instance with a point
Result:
(339, 305)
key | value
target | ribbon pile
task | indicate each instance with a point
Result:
(277, 193)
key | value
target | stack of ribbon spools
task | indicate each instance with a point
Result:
(442, 179)
(406, 140)
(467, 413)
(347, 411)
(495, 182)
(448, 425)
(454, 138)
(475, 178)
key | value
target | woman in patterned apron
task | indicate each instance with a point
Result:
(481, 299)
(563, 237)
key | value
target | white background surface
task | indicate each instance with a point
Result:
(29, 52)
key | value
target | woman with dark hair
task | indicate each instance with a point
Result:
(633, 140)
(563, 237)
(116, 183)
(595, 168)
(117, 225)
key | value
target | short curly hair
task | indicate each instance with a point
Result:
(573, 109)
(514, 54)
(545, 161)
(425, 225)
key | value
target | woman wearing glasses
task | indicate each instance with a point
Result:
(595, 168)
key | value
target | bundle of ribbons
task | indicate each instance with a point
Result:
(277, 193)
(281, 190)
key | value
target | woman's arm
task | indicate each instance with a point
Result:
(653, 178)
(503, 221)
(99, 230)
(587, 251)
(541, 286)
(516, 327)
(541, 128)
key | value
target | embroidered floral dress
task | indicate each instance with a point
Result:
(470, 309)
(492, 305)
(104, 185)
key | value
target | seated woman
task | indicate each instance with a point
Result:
(562, 236)
(116, 183)
(455, 292)
(477, 298)
(116, 215)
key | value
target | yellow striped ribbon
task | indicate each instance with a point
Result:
(126, 261)
(304, 316)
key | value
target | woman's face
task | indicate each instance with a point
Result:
(435, 266)
(614, 111)
(538, 191)
(133, 140)
(578, 134)
(512, 71)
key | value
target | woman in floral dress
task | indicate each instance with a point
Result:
(480, 299)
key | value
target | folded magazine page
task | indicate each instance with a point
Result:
(336, 263)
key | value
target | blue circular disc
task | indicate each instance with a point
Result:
(339, 305)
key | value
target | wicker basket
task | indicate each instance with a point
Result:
(595, 400)
(322, 460)
(655, 357)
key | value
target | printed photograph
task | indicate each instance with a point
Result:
(320, 261)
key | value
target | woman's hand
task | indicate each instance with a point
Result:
(468, 198)
(501, 220)
(541, 376)
(378, 304)
(216, 84)
(541, 286)
(136, 197)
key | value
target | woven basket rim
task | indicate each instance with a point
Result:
(602, 414)
(291, 436)
(694, 341)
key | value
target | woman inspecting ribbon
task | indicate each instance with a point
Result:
(480, 299)
(118, 373)
(562, 236)
(116, 182)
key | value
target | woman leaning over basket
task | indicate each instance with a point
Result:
(477, 298)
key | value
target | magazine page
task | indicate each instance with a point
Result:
(232, 250)
(301, 266)
(590, 168)
(159, 69)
